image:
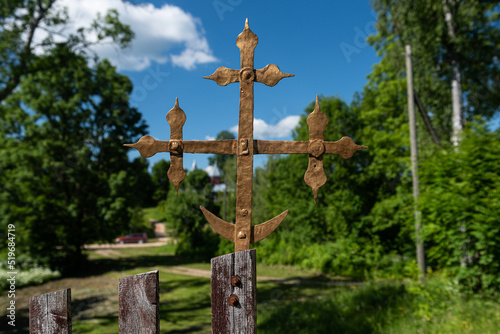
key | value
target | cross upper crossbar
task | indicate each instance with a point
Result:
(242, 233)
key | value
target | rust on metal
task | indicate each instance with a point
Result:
(176, 119)
(242, 233)
(236, 281)
(233, 300)
(315, 176)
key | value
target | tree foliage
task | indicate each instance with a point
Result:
(221, 159)
(461, 207)
(65, 176)
(475, 47)
(21, 20)
(330, 235)
(363, 223)
(160, 180)
(195, 238)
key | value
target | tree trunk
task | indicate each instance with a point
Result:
(456, 79)
(414, 164)
(456, 98)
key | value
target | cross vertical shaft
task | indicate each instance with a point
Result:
(246, 42)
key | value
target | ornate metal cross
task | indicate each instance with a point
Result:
(242, 233)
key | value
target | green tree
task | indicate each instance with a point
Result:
(65, 176)
(466, 197)
(160, 180)
(195, 238)
(331, 235)
(20, 20)
(467, 41)
(227, 163)
(220, 159)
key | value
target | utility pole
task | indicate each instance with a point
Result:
(414, 162)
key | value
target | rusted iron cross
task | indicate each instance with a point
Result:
(242, 233)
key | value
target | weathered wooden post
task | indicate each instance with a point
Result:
(233, 275)
(139, 303)
(51, 313)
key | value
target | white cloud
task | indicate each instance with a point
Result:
(262, 130)
(161, 34)
(209, 138)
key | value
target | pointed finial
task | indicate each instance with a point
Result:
(147, 146)
(247, 39)
(317, 121)
(176, 119)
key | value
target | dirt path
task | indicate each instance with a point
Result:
(295, 281)
(108, 251)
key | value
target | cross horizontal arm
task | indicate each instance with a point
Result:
(280, 147)
(345, 147)
(148, 146)
(228, 146)
(269, 75)
(223, 76)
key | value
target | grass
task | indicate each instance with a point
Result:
(301, 302)
(153, 213)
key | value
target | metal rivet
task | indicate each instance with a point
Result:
(176, 146)
(241, 235)
(236, 281)
(316, 148)
(244, 146)
(233, 300)
(247, 75)
(244, 212)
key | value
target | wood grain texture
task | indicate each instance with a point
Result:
(242, 317)
(138, 303)
(51, 313)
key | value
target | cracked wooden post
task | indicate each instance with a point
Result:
(51, 313)
(234, 301)
(139, 303)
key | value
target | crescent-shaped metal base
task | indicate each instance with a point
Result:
(228, 230)
(220, 226)
(261, 231)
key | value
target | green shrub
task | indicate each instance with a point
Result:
(27, 273)
(460, 204)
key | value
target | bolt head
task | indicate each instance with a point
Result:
(241, 235)
(236, 281)
(247, 75)
(233, 300)
(244, 212)
(176, 146)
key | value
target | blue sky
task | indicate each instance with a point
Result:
(178, 42)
